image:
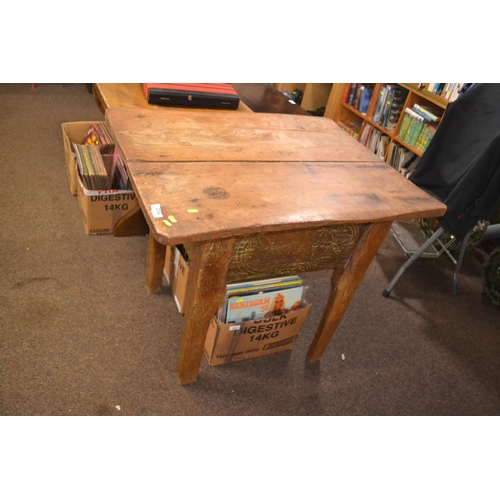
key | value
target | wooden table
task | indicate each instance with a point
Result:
(130, 95)
(255, 97)
(274, 195)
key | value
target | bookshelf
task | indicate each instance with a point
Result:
(353, 121)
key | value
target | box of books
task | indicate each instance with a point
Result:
(79, 133)
(104, 194)
(234, 342)
(257, 318)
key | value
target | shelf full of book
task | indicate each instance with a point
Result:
(396, 121)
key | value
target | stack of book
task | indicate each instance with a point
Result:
(402, 159)
(261, 299)
(91, 167)
(358, 95)
(352, 128)
(418, 126)
(448, 91)
(390, 103)
(98, 134)
(375, 140)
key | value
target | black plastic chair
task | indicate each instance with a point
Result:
(461, 167)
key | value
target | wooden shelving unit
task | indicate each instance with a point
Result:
(342, 113)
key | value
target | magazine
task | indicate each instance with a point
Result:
(266, 304)
(253, 287)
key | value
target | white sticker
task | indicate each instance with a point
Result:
(156, 210)
(236, 327)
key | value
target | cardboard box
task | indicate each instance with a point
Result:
(101, 210)
(180, 277)
(168, 267)
(73, 132)
(176, 271)
(234, 342)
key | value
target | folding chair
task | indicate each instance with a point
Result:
(461, 167)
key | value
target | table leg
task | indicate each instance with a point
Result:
(98, 98)
(343, 285)
(206, 289)
(155, 263)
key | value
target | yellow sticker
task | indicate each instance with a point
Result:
(167, 222)
(172, 218)
(192, 210)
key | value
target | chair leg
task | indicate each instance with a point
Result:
(459, 263)
(411, 260)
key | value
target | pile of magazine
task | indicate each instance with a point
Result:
(99, 135)
(262, 299)
(100, 171)
(91, 167)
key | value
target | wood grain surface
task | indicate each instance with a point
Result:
(130, 95)
(222, 175)
(146, 135)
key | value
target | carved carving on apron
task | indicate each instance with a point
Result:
(289, 252)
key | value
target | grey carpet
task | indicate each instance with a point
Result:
(80, 334)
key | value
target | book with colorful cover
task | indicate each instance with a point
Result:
(425, 137)
(347, 91)
(364, 99)
(398, 101)
(404, 126)
(352, 93)
(355, 102)
(252, 287)
(258, 306)
(426, 113)
(409, 129)
(387, 106)
(382, 97)
(415, 132)
(365, 136)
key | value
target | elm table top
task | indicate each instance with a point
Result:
(253, 172)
